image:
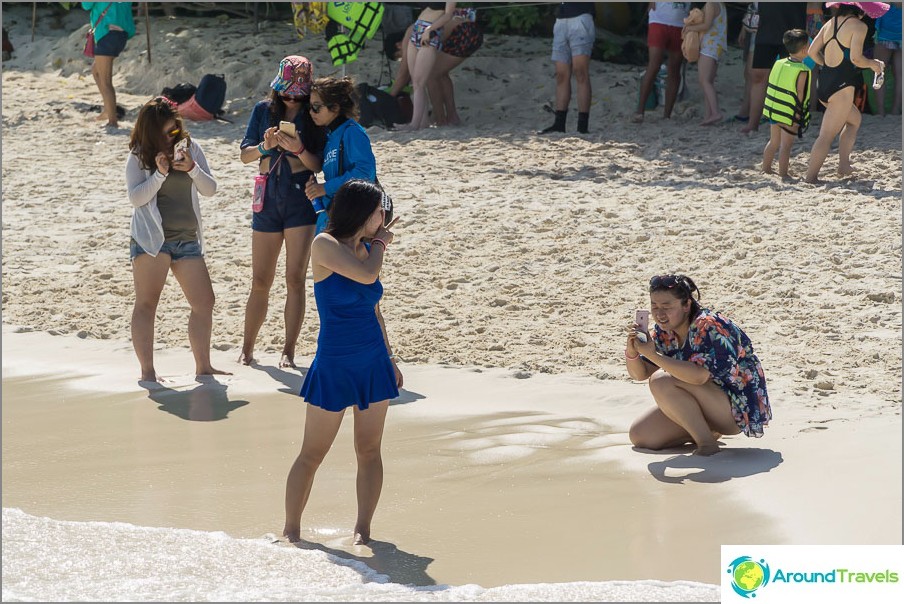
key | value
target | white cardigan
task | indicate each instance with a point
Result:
(143, 185)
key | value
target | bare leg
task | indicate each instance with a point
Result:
(847, 140)
(444, 89)
(149, 275)
(837, 112)
(563, 85)
(437, 101)
(657, 55)
(672, 83)
(265, 249)
(707, 67)
(700, 410)
(420, 62)
(368, 438)
(320, 429)
(580, 66)
(748, 80)
(298, 253)
(654, 430)
(102, 70)
(757, 99)
(784, 156)
(192, 275)
(771, 148)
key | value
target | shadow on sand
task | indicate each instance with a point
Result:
(387, 559)
(206, 402)
(722, 467)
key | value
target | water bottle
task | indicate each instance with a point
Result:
(660, 84)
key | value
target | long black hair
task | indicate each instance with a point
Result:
(312, 136)
(680, 286)
(352, 205)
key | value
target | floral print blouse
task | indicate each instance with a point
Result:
(716, 343)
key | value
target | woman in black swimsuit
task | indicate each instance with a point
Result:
(838, 48)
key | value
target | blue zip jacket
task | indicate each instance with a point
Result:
(358, 159)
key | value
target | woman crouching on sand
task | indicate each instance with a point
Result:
(711, 382)
(165, 172)
(354, 365)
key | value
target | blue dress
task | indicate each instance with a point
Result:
(352, 365)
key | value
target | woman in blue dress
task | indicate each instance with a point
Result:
(711, 382)
(354, 365)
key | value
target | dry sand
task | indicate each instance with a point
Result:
(518, 255)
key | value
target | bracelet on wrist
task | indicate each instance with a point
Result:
(261, 150)
(630, 358)
(378, 240)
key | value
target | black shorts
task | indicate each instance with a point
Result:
(285, 204)
(765, 55)
(113, 43)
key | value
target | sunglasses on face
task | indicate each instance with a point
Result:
(291, 99)
(174, 132)
(316, 107)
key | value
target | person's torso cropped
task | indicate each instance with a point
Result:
(669, 13)
(174, 202)
(348, 320)
(570, 10)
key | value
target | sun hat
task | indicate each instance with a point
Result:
(872, 9)
(294, 76)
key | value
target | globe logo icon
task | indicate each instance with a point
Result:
(748, 575)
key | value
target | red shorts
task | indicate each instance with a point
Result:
(664, 36)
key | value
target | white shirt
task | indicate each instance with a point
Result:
(669, 13)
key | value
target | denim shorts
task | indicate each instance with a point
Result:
(285, 204)
(573, 37)
(177, 250)
(113, 43)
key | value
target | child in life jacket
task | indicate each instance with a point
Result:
(787, 103)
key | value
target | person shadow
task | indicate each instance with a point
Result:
(207, 402)
(400, 566)
(722, 467)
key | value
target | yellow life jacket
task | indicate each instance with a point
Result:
(309, 17)
(782, 105)
(362, 19)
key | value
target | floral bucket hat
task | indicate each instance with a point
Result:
(874, 10)
(294, 76)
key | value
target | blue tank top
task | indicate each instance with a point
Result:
(348, 321)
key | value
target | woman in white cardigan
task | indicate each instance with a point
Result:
(165, 172)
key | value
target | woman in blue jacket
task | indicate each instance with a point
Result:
(348, 154)
(113, 26)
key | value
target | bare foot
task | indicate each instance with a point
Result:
(767, 169)
(292, 534)
(637, 118)
(847, 172)
(748, 129)
(209, 370)
(813, 181)
(246, 358)
(362, 537)
(151, 377)
(287, 361)
(707, 450)
(712, 120)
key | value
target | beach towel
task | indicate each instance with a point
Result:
(690, 40)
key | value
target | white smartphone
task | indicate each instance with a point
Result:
(642, 319)
(287, 128)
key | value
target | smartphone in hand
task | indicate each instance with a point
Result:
(287, 128)
(180, 150)
(642, 319)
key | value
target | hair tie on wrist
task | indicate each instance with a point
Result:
(377, 240)
(630, 358)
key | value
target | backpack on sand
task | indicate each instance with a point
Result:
(207, 102)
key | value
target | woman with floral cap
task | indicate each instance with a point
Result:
(711, 382)
(287, 215)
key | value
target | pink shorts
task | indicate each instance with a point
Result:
(664, 36)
